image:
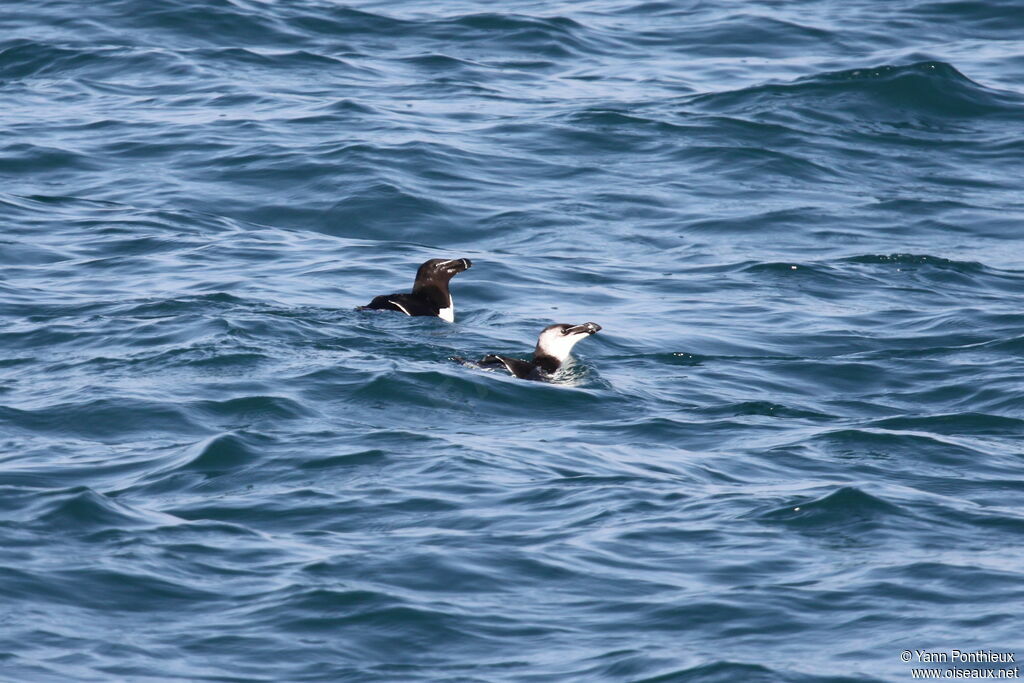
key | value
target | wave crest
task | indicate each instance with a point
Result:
(934, 89)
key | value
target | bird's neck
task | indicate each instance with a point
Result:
(434, 292)
(545, 362)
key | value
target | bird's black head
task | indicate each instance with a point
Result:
(438, 270)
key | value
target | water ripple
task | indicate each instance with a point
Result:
(795, 437)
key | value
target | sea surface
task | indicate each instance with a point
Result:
(793, 451)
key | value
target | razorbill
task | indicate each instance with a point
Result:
(553, 347)
(430, 295)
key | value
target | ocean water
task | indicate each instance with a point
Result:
(793, 451)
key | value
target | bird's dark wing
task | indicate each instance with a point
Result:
(520, 368)
(404, 303)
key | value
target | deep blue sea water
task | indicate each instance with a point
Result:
(793, 451)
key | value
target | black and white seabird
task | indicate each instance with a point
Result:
(553, 347)
(430, 295)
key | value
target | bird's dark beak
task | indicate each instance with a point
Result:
(585, 328)
(457, 265)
